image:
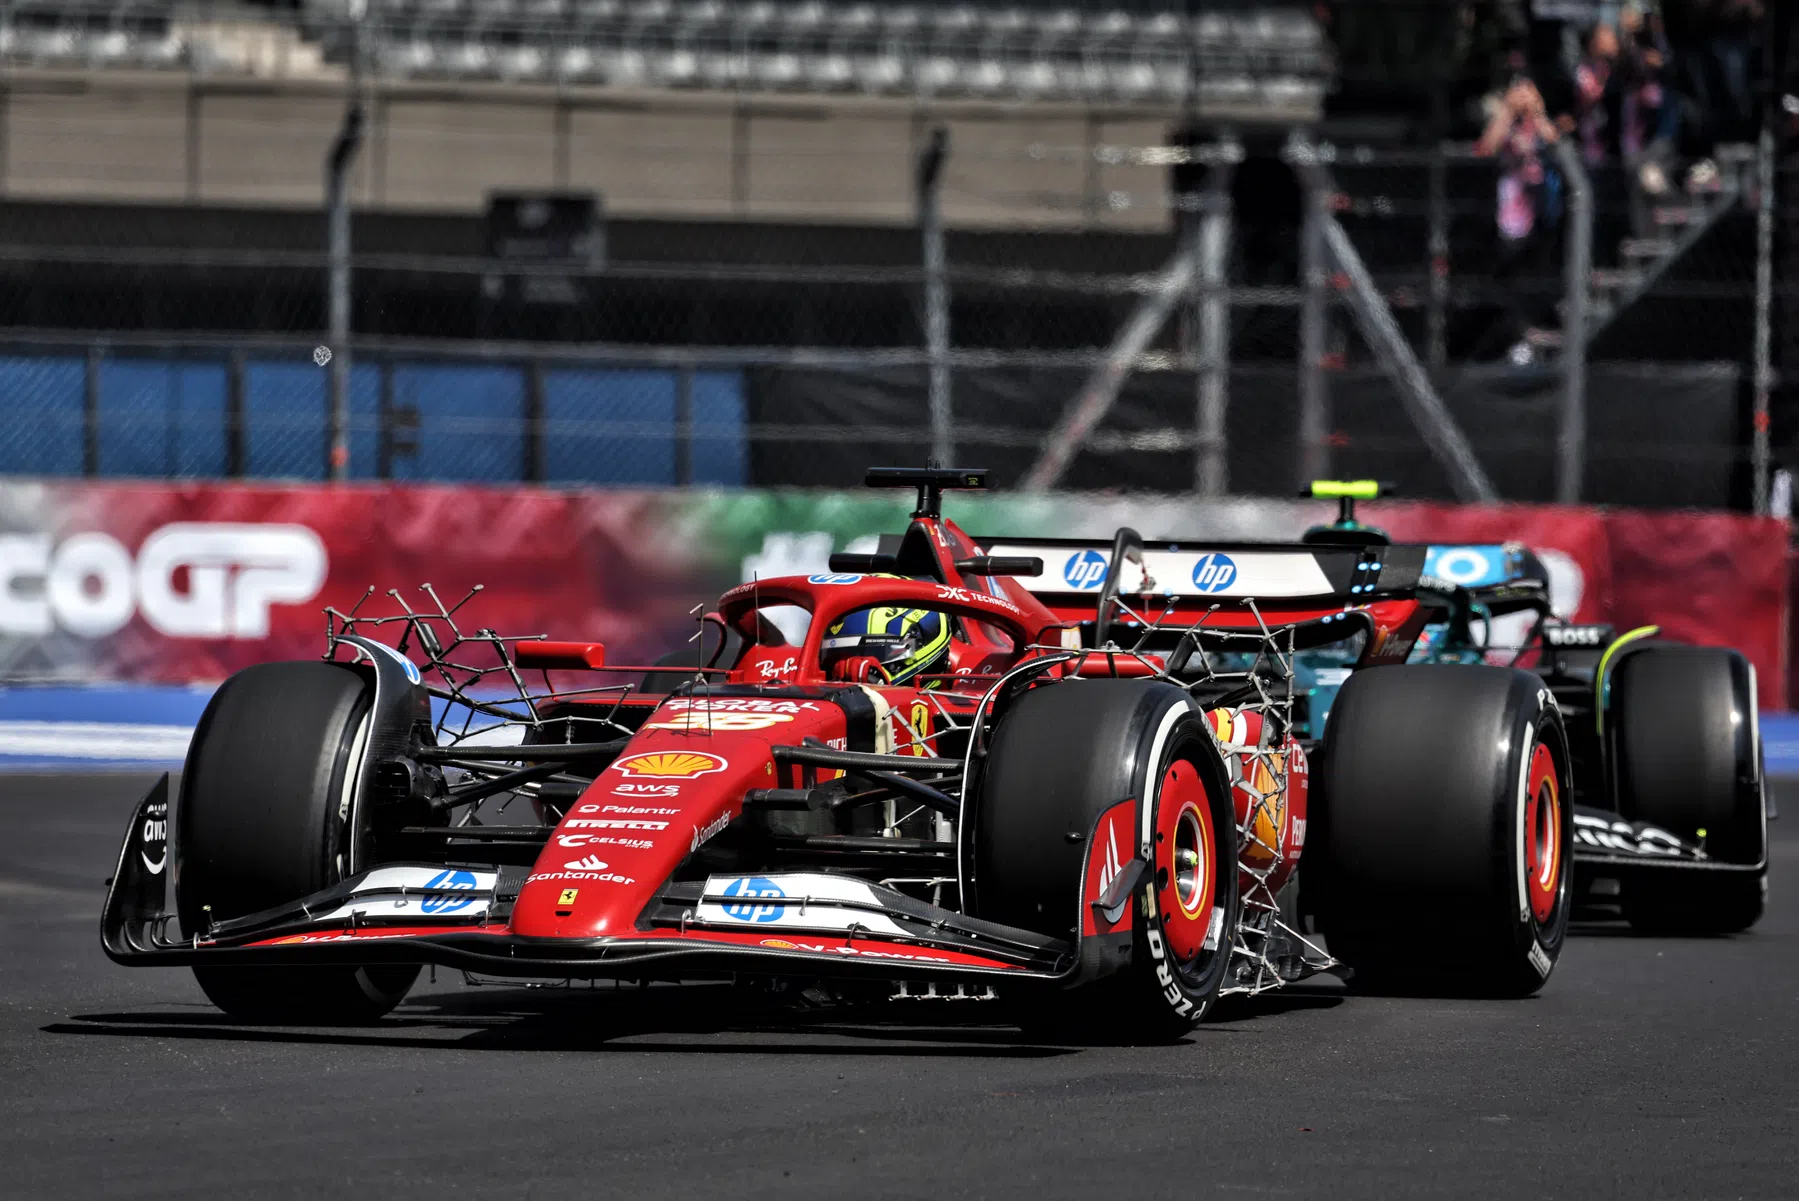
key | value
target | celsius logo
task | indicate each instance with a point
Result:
(1214, 572)
(456, 881)
(757, 895)
(89, 586)
(1085, 570)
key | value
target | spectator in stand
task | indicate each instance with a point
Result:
(1647, 117)
(1519, 135)
(1592, 86)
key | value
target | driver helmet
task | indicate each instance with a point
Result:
(906, 643)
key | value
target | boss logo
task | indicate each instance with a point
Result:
(1577, 635)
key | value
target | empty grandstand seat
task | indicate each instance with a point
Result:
(1127, 52)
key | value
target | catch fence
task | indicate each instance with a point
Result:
(1084, 284)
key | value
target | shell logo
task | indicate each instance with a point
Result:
(671, 765)
(779, 944)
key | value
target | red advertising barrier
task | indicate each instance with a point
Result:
(1716, 579)
(168, 583)
(1713, 579)
(164, 583)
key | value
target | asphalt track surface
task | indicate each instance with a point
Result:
(1647, 1068)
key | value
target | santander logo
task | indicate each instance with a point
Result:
(89, 585)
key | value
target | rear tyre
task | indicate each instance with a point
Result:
(1444, 830)
(1064, 756)
(264, 818)
(1683, 747)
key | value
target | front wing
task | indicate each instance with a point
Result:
(456, 917)
(1604, 841)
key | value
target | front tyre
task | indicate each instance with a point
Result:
(1131, 766)
(1682, 722)
(264, 818)
(1445, 827)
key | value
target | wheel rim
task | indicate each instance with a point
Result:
(1543, 835)
(1186, 850)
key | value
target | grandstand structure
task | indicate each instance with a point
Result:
(1265, 55)
(758, 110)
(754, 170)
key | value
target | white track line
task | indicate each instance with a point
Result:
(94, 740)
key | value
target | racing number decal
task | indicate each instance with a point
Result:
(703, 719)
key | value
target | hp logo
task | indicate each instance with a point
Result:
(1214, 572)
(1085, 570)
(757, 900)
(460, 881)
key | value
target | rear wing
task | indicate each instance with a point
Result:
(1273, 575)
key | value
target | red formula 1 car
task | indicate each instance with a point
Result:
(1060, 774)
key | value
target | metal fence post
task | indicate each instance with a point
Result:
(1212, 469)
(534, 439)
(337, 205)
(90, 413)
(1764, 309)
(1314, 318)
(384, 437)
(936, 293)
(1571, 434)
(235, 440)
(684, 425)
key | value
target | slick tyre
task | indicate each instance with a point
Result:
(1062, 760)
(1682, 722)
(264, 818)
(1444, 830)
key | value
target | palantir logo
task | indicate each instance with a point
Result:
(1214, 572)
(1085, 570)
(89, 585)
(757, 893)
(458, 881)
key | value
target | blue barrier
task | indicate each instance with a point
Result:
(57, 390)
(409, 420)
(161, 417)
(471, 422)
(284, 420)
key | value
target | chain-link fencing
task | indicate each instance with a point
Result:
(1124, 289)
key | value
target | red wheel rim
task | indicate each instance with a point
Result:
(1186, 845)
(1543, 834)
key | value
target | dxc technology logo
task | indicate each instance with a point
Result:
(1085, 571)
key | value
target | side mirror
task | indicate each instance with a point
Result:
(991, 565)
(1126, 544)
(565, 656)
